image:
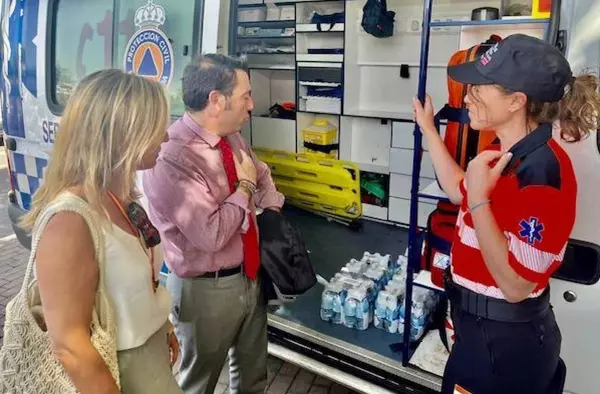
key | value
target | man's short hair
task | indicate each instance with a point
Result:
(207, 73)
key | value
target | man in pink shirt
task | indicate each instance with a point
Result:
(202, 195)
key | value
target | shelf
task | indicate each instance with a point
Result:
(263, 37)
(320, 84)
(280, 67)
(313, 28)
(511, 21)
(275, 24)
(433, 191)
(423, 279)
(359, 113)
(375, 168)
(308, 57)
(268, 53)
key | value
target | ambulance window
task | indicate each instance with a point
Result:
(157, 40)
(581, 263)
(82, 44)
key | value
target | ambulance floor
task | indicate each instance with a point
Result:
(331, 246)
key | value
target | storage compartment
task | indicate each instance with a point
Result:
(401, 162)
(272, 133)
(367, 143)
(399, 211)
(320, 89)
(270, 87)
(252, 14)
(400, 185)
(266, 45)
(374, 189)
(320, 47)
(320, 12)
(273, 124)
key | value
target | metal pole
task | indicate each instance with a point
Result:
(414, 253)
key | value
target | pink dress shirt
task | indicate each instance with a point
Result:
(189, 201)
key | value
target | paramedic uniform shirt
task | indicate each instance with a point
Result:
(534, 206)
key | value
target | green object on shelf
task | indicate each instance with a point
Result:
(374, 188)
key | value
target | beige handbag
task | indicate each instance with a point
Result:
(27, 365)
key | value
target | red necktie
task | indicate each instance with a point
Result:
(250, 238)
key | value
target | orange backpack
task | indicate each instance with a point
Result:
(462, 141)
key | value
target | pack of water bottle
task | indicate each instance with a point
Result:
(424, 302)
(351, 295)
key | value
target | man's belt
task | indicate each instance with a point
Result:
(493, 308)
(222, 273)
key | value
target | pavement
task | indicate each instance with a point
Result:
(283, 378)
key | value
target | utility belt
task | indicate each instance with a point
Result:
(493, 308)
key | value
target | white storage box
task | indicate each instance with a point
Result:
(273, 13)
(252, 15)
(330, 105)
(287, 13)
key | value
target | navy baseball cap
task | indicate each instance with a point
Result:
(519, 63)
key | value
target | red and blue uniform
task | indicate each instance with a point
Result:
(534, 206)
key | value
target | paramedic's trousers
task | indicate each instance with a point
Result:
(492, 357)
(212, 316)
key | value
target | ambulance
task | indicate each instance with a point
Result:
(49, 45)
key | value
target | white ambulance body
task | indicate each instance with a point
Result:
(49, 45)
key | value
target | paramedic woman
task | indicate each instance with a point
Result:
(517, 209)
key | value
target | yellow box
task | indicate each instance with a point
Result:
(540, 9)
(321, 132)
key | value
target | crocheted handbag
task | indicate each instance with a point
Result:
(27, 365)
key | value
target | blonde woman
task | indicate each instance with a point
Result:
(113, 125)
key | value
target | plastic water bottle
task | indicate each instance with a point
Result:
(351, 304)
(331, 302)
(327, 300)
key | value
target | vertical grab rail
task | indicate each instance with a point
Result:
(413, 252)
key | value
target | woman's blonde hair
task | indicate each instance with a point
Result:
(110, 122)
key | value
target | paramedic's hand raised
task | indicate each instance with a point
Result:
(424, 115)
(481, 177)
(245, 167)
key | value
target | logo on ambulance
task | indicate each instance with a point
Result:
(149, 52)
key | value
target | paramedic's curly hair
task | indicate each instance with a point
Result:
(578, 112)
(110, 121)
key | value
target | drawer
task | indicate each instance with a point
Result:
(401, 162)
(400, 185)
(442, 132)
(402, 135)
(374, 211)
(399, 211)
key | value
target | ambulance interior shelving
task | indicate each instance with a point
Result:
(323, 86)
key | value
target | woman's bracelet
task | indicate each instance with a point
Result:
(474, 207)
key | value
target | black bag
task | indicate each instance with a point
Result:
(285, 264)
(377, 20)
(327, 19)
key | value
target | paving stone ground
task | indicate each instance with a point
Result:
(284, 378)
